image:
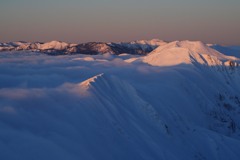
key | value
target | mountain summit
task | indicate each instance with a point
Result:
(185, 52)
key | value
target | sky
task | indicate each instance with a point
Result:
(77, 21)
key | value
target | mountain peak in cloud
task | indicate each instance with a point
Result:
(185, 52)
(87, 83)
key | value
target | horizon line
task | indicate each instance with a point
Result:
(167, 41)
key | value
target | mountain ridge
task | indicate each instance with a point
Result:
(186, 52)
(59, 47)
(138, 47)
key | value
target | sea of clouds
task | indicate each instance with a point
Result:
(130, 111)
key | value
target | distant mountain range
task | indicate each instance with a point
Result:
(59, 48)
(140, 47)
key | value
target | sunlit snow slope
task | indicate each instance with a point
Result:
(180, 102)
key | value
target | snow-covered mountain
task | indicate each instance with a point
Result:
(59, 48)
(54, 45)
(181, 101)
(186, 52)
(206, 72)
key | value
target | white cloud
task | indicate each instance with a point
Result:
(134, 111)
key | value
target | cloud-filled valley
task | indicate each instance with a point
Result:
(180, 101)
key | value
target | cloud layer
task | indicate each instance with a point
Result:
(50, 109)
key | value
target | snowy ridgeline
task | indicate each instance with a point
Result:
(179, 102)
(60, 48)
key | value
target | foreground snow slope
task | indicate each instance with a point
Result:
(180, 102)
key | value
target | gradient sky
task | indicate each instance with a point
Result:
(213, 21)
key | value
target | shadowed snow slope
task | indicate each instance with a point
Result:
(227, 50)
